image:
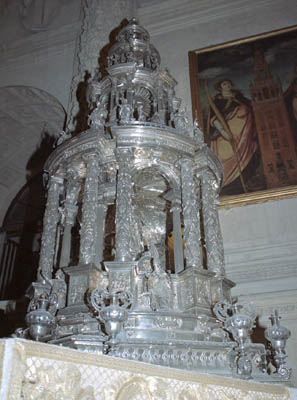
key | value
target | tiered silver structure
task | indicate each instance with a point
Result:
(132, 248)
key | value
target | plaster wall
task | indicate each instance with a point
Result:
(260, 239)
(39, 58)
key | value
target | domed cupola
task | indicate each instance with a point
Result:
(133, 46)
(136, 91)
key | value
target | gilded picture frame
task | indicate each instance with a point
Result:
(244, 96)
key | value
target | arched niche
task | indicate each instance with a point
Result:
(30, 119)
(153, 207)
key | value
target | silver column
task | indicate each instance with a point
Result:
(99, 246)
(192, 235)
(89, 211)
(177, 236)
(212, 230)
(174, 196)
(124, 208)
(70, 210)
(50, 222)
(70, 214)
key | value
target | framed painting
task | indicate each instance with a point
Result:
(244, 95)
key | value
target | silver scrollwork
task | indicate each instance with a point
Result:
(50, 222)
(126, 247)
(239, 321)
(278, 335)
(192, 235)
(112, 309)
(213, 235)
(89, 210)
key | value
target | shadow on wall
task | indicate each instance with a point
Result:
(24, 217)
(81, 118)
(43, 150)
(23, 223)
(86, 106)
(33, 121)
(43, 120)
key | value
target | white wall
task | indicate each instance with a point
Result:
(41, 59)
(259, 240)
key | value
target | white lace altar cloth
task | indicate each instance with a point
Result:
(36, 371)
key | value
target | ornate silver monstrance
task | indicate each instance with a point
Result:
(132, 262)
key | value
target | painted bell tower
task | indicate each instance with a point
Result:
(275, 135)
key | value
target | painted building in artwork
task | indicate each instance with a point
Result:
(275, 134)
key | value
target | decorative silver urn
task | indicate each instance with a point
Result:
(40, 318)
(239, 321)
(278, 335)
(112, 309)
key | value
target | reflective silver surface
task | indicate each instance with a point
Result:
(41, 316)
(131, 214)
(278, 335)
(239, 321)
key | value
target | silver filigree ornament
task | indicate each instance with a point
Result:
(112, 309)
(239, 320)
(192, 234)
(278, 335)
(41, 316)
(213, 235)
(89, 210)
(50, 223)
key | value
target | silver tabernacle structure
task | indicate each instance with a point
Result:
(132, 261)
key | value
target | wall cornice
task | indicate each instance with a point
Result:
(269, 261)
(172, 15)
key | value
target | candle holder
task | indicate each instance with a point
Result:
(41, 316)
(112, 309)
(238, 320)
(278, 335)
